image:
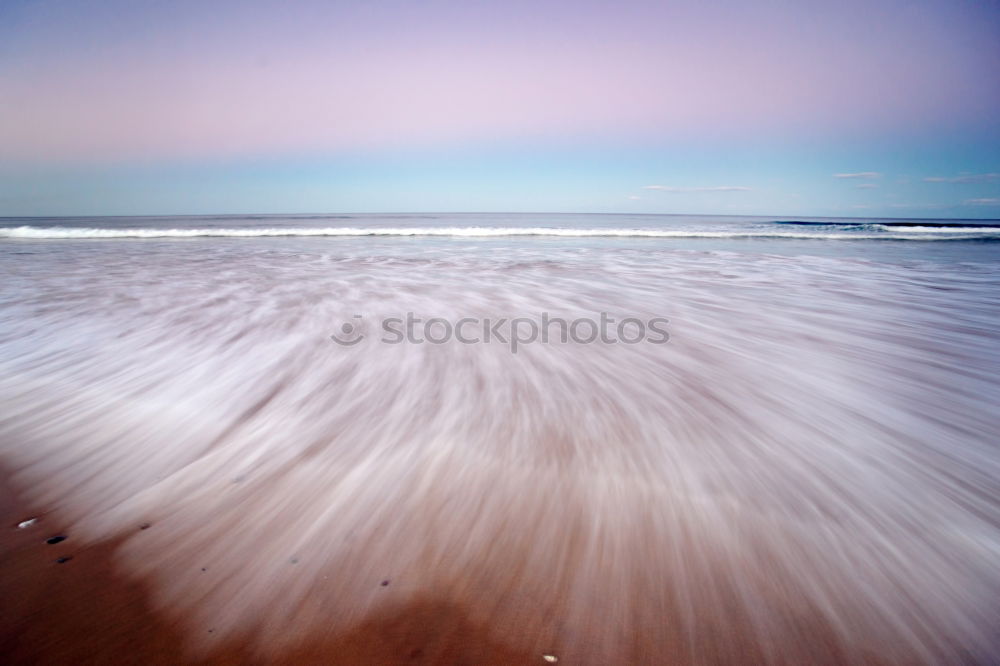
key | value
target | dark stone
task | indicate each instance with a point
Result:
(55, 539)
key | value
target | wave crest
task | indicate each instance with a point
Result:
(876, 232)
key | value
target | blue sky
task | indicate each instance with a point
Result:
(772, 108)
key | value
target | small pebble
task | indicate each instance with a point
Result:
(551, 658)
(144, 526)
(384, 583)
(63, 560)
(294, 560)
(55, 539)
(27, 523)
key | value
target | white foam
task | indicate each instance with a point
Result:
(942, 230)
(887, 233)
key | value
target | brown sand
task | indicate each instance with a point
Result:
(86, 611)
(83, 611)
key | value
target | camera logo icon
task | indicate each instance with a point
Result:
(350, 333)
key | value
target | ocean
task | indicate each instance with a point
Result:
(620, 438)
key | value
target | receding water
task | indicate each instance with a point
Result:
(806, 472)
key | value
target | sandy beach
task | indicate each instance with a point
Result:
(802, 472)
(84, 610)
(70, 603)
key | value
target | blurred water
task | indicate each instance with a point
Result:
(807, 472)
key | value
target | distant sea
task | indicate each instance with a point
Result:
(500, 225)
(795, 235)
(811, 459)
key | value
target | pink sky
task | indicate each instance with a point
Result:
(94, 82)
(739, 107)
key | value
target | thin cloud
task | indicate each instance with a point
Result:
(717, 188)
(866, 186)
(860, 174)
(918, 206)
(987, 201)
(634, 198)
(965, 178)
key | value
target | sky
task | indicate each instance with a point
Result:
(886, 108)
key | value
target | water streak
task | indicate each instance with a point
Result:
(807, 473)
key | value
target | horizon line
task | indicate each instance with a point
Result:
(419, 213)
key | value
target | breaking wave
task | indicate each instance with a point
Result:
(836, 232)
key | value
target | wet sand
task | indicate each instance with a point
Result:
(85, 611)
(78, 611)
